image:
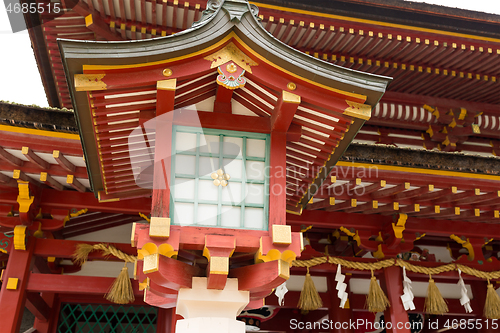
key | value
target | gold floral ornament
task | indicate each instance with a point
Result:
(231, 68)
(220, 178)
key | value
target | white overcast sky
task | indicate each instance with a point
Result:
(20, 80)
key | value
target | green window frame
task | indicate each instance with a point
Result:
(221, 156)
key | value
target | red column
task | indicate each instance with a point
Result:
(392, 284)
(479, 289)
(166, 321)
(12, 300)
(335, 313)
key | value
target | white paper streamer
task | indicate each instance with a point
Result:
(341, 286)
(280, 292)
(407, 297)
(464, 300)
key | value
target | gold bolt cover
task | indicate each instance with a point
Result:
(167, 72)
(291, 86)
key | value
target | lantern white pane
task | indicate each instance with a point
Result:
(209, 144)
(230, 216)
(254, 218)
(256, 148)
(233, 167)
(207, 190)
(232, 146)
(255, 170)
(184, 188)
(184, 213)
(207, 215)
(255, 194)
(185, 141)
(185, 164)
(232, 193)
(207, 165)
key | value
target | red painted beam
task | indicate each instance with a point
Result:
(65, 248)
(73, 284)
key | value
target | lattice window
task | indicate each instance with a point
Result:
(91, 318)
(220, 178)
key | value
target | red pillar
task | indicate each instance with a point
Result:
(12, 300)
(335, 313)
(479, 289)
(392, 284)
(166, 321)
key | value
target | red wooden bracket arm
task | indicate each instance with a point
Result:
(173, 274)
(261, 277)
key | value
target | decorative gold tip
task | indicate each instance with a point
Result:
(167, 72)
(358, 110)
(88, 20)
(159, 227)
(167, 84)
(289, 97)
(132, 236)
(282, 234)
(70, 179)
(43, 176)
(283, 269)
(88, 82)
(431, 187)
(151, 263)
(12, 283)
(219, 265)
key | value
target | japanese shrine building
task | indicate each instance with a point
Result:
(220, 150)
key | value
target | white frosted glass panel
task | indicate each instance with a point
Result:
(255, 170)
(207, 215)
(230, 216)
(185, 141)
(233, 167)
(256, 148)
(209, 144)
(207, 190)
(254, 218)
(184, 213)
(232, 193)
(185, 164)
(184, 188)
(207, 165)
(255, 194)
(232, 146)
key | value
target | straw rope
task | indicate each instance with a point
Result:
(378, 265)
(363, 266)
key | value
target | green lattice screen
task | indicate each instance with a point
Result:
(91, 318)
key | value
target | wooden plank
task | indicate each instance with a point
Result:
(8, 157)
(34, 158)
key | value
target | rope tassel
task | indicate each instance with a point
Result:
(309, 296)
(492, 304)
(434, 302)
(376, 300)
(121, 292)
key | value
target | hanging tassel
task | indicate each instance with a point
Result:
(434, 302)
(376, 301)
(82, 253)
(121, 291)
(492, 304)
(309, 297)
